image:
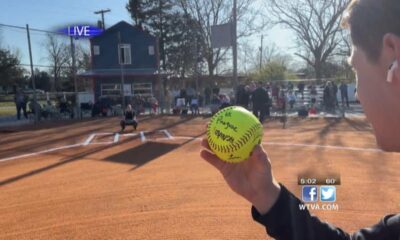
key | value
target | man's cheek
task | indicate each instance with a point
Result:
(359, 88)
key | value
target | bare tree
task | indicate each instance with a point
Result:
(345, 52)
(345, 44)
(316, 25)
(82, 63)
(213, 12)
(58, 57)
(270, 52)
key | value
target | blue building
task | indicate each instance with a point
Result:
(124, 51)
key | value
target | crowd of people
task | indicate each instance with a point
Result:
(330, 95)
(261, 98)
(281, 96)
(26, 106)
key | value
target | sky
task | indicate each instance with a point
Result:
(52, 14)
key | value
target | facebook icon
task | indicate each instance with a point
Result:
(310, 194)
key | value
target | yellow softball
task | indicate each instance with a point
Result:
(233, 132)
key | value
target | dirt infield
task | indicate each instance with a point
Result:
(85, 180)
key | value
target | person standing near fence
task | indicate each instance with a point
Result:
(329, 101)
(291, 97)
(207, 94)
(344, 94)
(334, 97)
(20, 103)
(260, 99)
(168, 100)
(243, 95)
(33, 106)
(301, 87)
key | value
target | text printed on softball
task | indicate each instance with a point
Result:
(223, 136)
(226, 124)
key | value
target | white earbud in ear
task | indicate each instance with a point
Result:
(392, 68)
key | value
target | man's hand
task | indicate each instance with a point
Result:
(252, 178)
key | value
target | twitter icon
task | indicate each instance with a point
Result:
(327, 194)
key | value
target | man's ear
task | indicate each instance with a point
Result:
(396, 71)
(391, 44)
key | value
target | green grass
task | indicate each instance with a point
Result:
(12, 104)
(9, 108)
(5, 112)
(7, 98)
(7, 104)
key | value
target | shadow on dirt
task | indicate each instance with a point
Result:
(143, 153)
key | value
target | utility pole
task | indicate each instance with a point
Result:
(196, 64)
(121, 64)
(162, 43)
(234, 46)
(261, 52)
(102, 11)
(161, 95)
(32, 75)
(74, 74)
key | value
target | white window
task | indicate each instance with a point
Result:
(124, 54)
(127, 89)
(96, 49)
(151, 50)
(110, 89)
(143, 89)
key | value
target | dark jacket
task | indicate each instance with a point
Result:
(343, 89)
(242, 96)
(260, 97)
(285, 221)
(130, 115)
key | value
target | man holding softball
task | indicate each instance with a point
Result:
(375, 33)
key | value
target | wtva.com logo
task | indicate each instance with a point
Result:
(324, 194)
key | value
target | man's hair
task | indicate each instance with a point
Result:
(369, 21)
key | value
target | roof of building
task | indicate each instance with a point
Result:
(121, 24)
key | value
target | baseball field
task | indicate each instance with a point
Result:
(87, 180)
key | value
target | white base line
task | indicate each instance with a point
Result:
(185, 138)
(142, 137)
(89, 139)
(41, 152)
(116, 137)
(162, 139)
(101, 143)
(324, 146)
(299, 145)
(129, 134)
(102, 134)
(167, 134)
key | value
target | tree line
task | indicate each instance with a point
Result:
(59, 72)
(183, 28)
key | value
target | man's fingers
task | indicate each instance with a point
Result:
(212, 159)
(258, 152)
(257, 149)
(209, 156)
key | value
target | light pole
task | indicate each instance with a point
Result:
(234, 46)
